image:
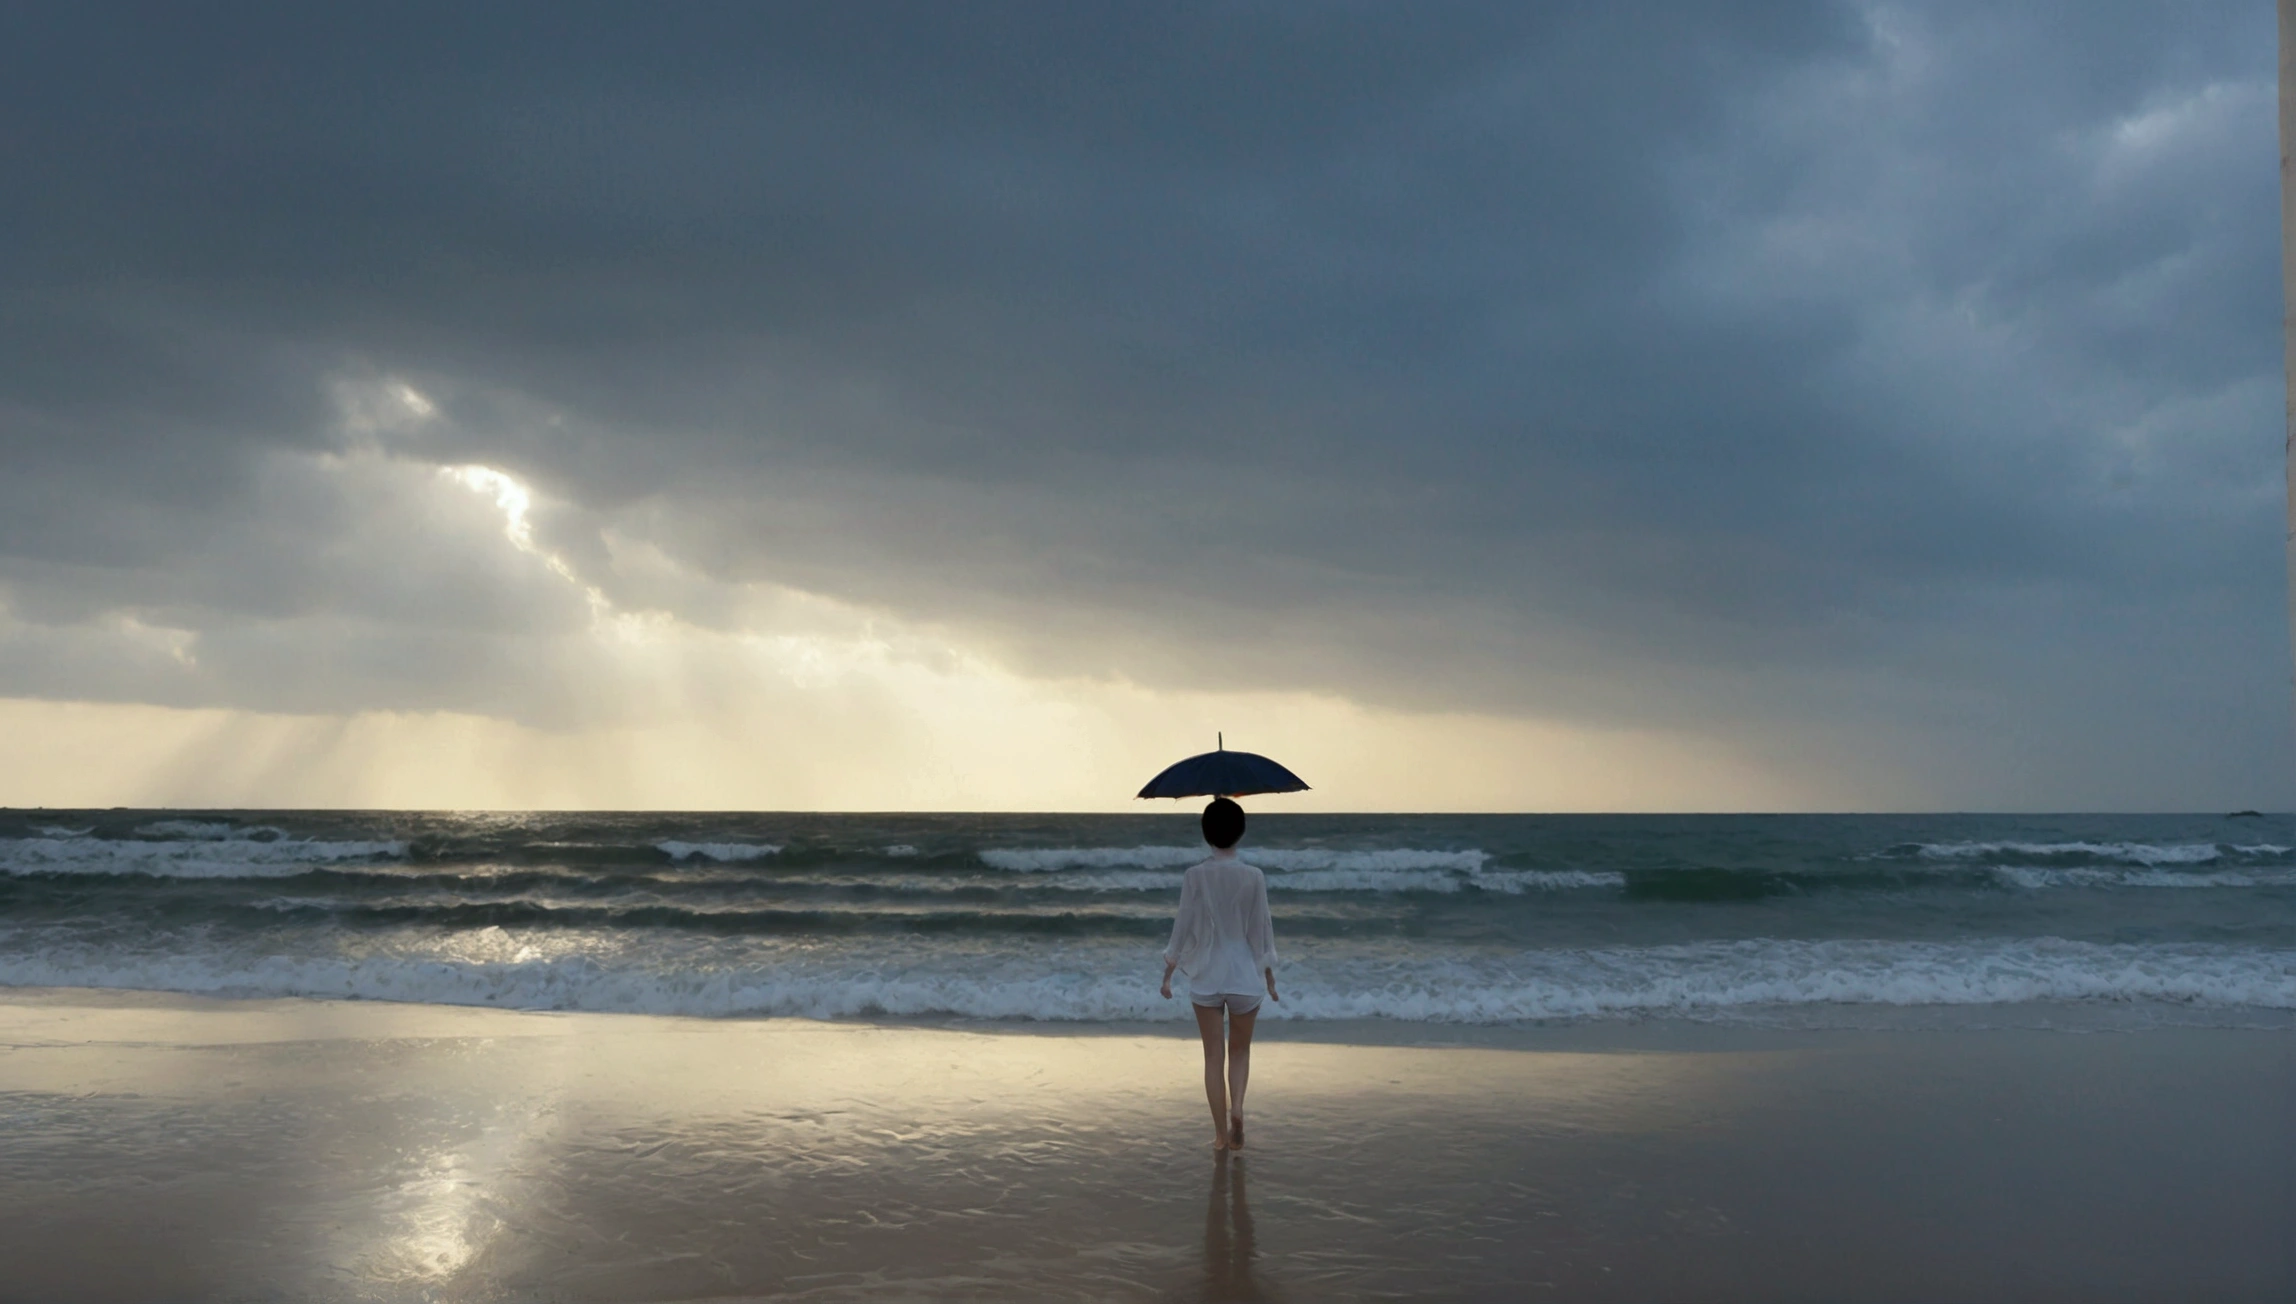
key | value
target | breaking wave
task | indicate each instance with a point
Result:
(178, 858)
(2034, 877)
(1714, 979)
(1042, 860)
(2133, 853)
(722, 852)
(1440, 918)
(209, 831)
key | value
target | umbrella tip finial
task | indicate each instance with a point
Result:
(1223, 740)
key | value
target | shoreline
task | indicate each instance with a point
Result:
(1657, 1031)
(379, 1151)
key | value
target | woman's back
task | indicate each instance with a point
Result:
(1222, 937)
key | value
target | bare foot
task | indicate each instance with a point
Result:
(1219, 1143)
(1235, 1131)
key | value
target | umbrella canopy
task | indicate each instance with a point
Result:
(1223, 774)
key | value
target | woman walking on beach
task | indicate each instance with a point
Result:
(1226, 944)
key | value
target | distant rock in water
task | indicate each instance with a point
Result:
(2245, 815)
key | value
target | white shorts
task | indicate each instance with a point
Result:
(1233, 1002)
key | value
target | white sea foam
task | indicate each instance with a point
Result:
(722, 852)
(1112, 880)
(209, 831)
(1719, 977)
(1512, 882)
(2035, 878)
(1043, 860)
(2135, 853)
(1290, 860)
(900, 851)
(1547, 880)
(1294, 869)
(1039, 860)
(1713, 979)
(176, 858)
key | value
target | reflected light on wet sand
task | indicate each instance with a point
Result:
(430, 1226)
(375, 1152)
(1230, 1247)
(421, 1152)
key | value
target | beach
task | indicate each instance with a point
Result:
(163, 1146)
(652, 653)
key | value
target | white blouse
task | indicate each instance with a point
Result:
(1222, 937)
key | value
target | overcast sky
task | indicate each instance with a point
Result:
(855, 404)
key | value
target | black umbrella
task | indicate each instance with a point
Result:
(1223, 774)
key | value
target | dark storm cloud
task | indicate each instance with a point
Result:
(1904, 373)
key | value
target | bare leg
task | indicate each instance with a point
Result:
(1239, 1072)
(1215, 1077)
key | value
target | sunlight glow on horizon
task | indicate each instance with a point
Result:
(1059, 747)
(782, 699)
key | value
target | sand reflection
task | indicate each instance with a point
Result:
(369, 1151)
(1231, 1246)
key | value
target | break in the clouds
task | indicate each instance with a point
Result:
(1878, 403)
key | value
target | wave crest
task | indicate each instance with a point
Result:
(721, 852)
(496, 967)
(2130, 853)
(199, 858)
(1042, 860)
(2034, 878)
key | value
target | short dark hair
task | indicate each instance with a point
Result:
(1223, 823)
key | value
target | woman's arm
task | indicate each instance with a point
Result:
(1260, 929)
(1184, 922)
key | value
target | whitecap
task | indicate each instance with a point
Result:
(2140, 853)
(206, 858)
(1039, 860)
(2034, 878)
(722, 852)
(209, 831)
(1511, 882)
(1044, 860)
(553, 970)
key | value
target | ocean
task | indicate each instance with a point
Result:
(2080, 921)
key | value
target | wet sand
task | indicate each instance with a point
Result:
(157, 1147)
